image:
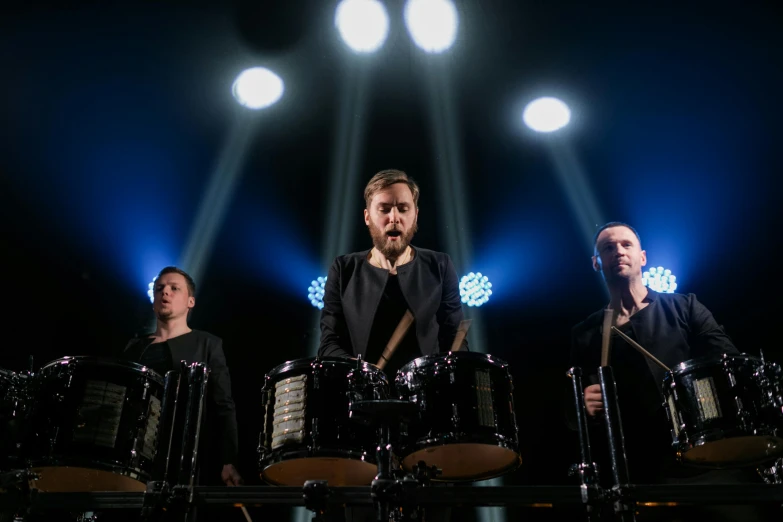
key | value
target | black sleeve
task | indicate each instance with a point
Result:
(335, 340)
(225, 411)
(449, 313)
(707, 337)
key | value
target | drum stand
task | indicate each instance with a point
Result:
(586, 469)
(592, 494)
(614, 429)
(390, 487)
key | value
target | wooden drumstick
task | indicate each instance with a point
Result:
(396, 337)
(462, 331)
(247, 515)
(606, 340)
(640, 349)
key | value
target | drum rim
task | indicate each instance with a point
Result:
(505, 443)
(277, 456)
(306, 362)
(710, 360)
(61, 461)
(105, 361)
(428, 360)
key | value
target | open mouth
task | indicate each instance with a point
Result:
(394, 233)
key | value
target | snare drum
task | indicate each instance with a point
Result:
(308, 433)
(467, 424)
(725, 410)
(95, 425)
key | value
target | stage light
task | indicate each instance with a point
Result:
(432, 24)
(257, 88)
(660, 280)
(151, 289)
(363, 24)
(546, 115)
(315, 292)
(475, 289)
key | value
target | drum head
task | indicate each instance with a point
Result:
(66, 479)
(465, 461)
(337, 471)
(735, 451)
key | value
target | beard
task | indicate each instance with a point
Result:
(391, 249)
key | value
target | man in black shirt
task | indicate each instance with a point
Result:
(174, 341)
(367, 293)
(672, 327)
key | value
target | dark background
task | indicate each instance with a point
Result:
(115, 116)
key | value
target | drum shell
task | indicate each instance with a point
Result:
(320, 427)
(724, 410)
(96, 414)
(465, 399)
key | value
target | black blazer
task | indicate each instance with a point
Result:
(203, 347)
(353, 291)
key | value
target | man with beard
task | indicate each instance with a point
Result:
(674, 328)
(174, 341)
(367, 293)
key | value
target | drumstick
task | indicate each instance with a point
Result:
(606, 341)
(247, 515)
(396, 337)
(641, 350)
(462, 331)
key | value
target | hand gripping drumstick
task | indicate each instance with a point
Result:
(396, 337)
(606, 340)
(640, 349)
(462, 331)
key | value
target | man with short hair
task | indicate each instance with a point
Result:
(174, 341)
(672, 327)
(367, 293)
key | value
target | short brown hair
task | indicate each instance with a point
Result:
(386, 178)
(189, 280)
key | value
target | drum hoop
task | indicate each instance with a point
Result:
(105, 362)
(711, 360)
(307, 362)
(428, 360)
(114, 467)
(279, 455)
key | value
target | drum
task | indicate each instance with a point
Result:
(95, 425)
(467, 424)
(725, 410)
(308, 433)
(13, 411)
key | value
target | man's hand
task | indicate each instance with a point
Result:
(230, 475)
(593, 400)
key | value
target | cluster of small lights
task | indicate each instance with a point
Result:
(660, 280)
(475, 289)
(151, 290)
(316, 292)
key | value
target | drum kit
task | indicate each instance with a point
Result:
(455, 411)
(87, 424)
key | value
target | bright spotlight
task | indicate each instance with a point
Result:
(363, 24)
(660, 280)
(475, 289)
(257, 88)
(546, 115)
(151, 289)
(315, 292)
(432, 23)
